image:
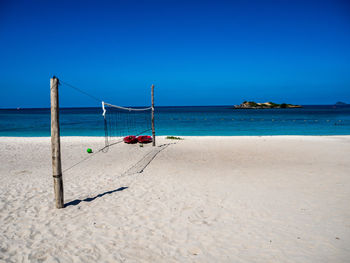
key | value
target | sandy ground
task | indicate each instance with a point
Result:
(202, 199)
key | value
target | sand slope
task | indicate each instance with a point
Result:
(203, 199)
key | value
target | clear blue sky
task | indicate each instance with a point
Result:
(195, 52)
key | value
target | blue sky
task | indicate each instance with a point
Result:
(195, 52)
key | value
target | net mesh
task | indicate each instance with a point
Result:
(121, 121)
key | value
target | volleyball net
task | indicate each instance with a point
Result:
(122, 121)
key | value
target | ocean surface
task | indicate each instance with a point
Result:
(191, 121)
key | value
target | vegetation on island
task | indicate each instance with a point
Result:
(266, 105)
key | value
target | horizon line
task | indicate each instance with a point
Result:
(162, 106)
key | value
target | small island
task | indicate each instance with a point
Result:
(340, 103)
(266, 105)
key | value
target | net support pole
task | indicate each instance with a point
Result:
(153, 129)
(56, 144)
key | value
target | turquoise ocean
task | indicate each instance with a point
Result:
(187, 121)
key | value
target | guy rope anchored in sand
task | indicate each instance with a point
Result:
(110, 125)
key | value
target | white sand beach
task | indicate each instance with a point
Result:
(201, 199)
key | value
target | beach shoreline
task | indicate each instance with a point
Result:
(204, 198)
(181, 136)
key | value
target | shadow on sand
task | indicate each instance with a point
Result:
(90, 199)
(142, 164)
(139, 167)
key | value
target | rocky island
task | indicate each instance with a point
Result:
(266, 105)
(340, 103)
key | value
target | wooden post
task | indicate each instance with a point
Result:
(153, 130)
(56, 145)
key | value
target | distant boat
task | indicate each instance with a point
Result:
(18, 108)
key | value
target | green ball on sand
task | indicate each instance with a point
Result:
(89, 150)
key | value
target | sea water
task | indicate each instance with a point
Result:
(190, 121)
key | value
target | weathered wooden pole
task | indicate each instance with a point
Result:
(56, 144)
(153, 129)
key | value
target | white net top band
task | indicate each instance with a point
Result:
(124, 108)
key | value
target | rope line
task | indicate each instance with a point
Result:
(79, 90)
(100, 100)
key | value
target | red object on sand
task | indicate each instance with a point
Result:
(130, 139)
(144, 139)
